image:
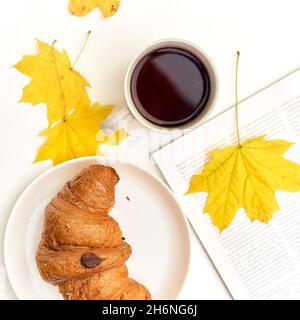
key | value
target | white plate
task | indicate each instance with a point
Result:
(151, 221)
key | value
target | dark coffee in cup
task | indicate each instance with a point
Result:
(170, 86)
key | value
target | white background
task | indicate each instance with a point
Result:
(266, 32)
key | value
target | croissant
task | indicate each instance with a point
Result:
(82, 250)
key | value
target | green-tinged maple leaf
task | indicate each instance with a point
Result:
(246, 176)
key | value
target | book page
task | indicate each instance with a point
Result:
(255, 260)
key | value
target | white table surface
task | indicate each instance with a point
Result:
(266, 32)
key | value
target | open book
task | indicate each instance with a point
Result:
(255, 260)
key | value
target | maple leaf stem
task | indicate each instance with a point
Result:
(82, 49)
(236, 98)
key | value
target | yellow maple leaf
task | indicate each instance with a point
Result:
(83, 7)
(54, 82)
(75, 136)
(73, 121)
(246, 176)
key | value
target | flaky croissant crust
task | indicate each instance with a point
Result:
(82, 250)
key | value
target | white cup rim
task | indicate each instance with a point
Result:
(201, 55)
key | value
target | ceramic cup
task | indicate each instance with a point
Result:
(198, 53)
